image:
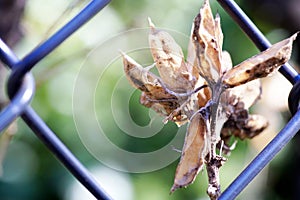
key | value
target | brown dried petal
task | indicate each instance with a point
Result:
(164, 107)
(226, 62)
(254, 126)
(193, 153)
(246, 128)
(236, 102)
(144, 80)
(218, 33)
(203, 97)
(242, 96)
(153, 94)
(261, 64)
(191, 61)
(207, 18)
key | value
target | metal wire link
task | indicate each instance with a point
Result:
(289, 131)
(257, 37)
(21, 90)
(29, 61)
(294, 98)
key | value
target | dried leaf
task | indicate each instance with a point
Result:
(193, 153)
(261, 64)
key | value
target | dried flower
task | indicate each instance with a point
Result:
(205, 91)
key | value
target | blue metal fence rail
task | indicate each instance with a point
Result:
(21, 89)
(291, 128)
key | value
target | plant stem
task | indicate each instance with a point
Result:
(212, 168)
(214, 161)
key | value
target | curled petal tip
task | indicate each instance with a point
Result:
(121, 52)
(174, 188)
(295, 35)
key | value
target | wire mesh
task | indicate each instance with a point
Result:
(21, 89)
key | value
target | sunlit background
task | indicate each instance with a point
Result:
(92, 57)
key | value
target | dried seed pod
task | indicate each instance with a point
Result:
(226, 62)
(241, 97)
(154, 95)
(208, 40)
(193, 153)
(169, 60)
(144, 80)
(236, 102)
(246, 127)
(261, 64)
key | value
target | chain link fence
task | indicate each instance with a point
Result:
(21, 89)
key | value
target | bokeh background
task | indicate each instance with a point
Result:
(30, 171)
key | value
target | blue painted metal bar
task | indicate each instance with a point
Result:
(45, 134)
(294, 98)
(263, 158)
(24, 95)
(255, 35)
(291, 128)
(18, 104)
(7, 56)
(21, 90)
(56, 39)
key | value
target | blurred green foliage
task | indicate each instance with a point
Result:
(32, 172)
